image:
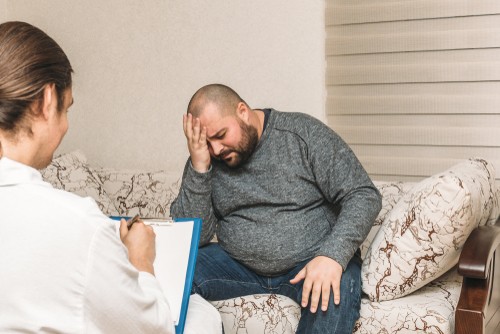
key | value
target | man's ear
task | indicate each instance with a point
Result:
(49, 102)
(243, 112)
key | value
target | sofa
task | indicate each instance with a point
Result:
(431, 261)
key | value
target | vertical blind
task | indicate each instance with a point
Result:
(413, 86)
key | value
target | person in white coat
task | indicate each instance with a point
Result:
(64, 268)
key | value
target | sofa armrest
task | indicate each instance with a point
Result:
(478, 251)
(478, 309)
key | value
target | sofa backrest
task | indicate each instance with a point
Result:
(150, 193)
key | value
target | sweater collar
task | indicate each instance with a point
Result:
(270, 124)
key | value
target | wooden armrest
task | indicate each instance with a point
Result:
(478, 251)
(478, 309)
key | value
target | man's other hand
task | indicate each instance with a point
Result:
(320, 275)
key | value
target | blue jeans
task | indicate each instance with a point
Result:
(218, 276)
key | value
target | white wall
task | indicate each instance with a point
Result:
(137, 63)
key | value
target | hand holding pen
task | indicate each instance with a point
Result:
(131, 222)
(140, 242)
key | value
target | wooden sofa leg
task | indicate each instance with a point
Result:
(469, 316)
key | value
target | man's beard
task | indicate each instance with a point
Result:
(245, 148)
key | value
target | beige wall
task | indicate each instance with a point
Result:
(137, 63)
(3, 11)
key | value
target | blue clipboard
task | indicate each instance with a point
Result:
(193, 254)
(191, 263)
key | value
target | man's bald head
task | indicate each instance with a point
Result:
(223, 97)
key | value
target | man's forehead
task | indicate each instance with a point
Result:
(215, 127)
(210, 115)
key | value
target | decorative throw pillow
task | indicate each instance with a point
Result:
(495, 213)
(148, 194)
(71, 172)
(391, 193)
(422, 236)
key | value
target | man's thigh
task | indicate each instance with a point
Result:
(217, 276)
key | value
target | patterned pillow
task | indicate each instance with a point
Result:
(422, 236)
(391, 193)
(71, 172)
(495, 214)
(148, 194)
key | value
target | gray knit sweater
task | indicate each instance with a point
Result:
(302, 193)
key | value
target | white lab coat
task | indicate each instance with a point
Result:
(64, 269)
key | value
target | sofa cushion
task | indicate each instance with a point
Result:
(431, 309)
(259, 313)
(71, 172)
(148, 194)
(422, 236)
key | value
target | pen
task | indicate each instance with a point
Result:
(131, 222)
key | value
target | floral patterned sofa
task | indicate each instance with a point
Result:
(411, 280)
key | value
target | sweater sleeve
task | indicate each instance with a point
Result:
(347, 186)
(195, 200)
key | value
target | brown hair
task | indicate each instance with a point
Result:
(223, 96)
(29, 60)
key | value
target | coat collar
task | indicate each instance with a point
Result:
(13, 172)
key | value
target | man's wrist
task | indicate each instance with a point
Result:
(200, 168)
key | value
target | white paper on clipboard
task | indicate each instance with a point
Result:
(173, 245)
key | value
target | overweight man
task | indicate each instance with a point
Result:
(289, 202)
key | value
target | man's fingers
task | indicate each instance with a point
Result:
(299, 277)
(196, 131)
(336, 292)
(306, 291)
(203, 135)
(325, 297)
(187, 122)
(305, 288)
(322, 276)
(316, 293)
(184, 121)
(195, 134)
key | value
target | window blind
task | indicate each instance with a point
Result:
(414, 86)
